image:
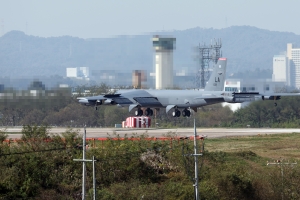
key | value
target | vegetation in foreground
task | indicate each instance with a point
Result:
(42, 167)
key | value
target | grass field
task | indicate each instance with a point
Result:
(280, 146)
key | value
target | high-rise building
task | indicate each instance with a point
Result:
(78, 72)
(281, 69)
(163, 61)
(84, 72)
(293, 55)
(72, 72)
(138, 76)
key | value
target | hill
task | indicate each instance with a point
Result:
(246, 48)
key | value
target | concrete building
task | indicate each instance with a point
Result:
(286, 67)
(72, 72)
(163, 61)
(84, 72)
(78, 72)
(281, 69)
(293, 54)
(138, 77)
(251, 85)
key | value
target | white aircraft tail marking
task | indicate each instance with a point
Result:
(217, 77)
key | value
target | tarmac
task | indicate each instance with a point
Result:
(160, 132)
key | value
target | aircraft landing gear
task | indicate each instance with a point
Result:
(96, 108)
(275, 104)
(148, 112)
(186, 113)
(176, 113)
(138, 112)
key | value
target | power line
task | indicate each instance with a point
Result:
(116, 157)
(25, 152)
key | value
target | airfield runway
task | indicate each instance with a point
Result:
(151, 132)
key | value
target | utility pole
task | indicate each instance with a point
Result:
(83, 163)
(279, 162)
(197, 195)
(94, 179)
(195, 155)
(83, 160)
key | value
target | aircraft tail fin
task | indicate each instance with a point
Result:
(217, 77)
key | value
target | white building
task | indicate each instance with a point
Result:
(163, 61)
(84, 71)
(78, 72)
(293, 55)
(281, 69)
(72, 72)
(250, 85)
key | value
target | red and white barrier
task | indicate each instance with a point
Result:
(123, 124)
(138, 122)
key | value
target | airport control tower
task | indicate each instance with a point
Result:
(163, 61)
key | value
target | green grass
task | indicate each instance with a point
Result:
(285, 146)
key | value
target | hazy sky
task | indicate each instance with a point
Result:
(108, 18)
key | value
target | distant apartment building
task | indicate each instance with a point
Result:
(84, 72)
(112, 77)
(263, 86)
(72, 72)
(78, 72)
(252, 85)
(286, 67)
(281, 69)
(293, 55)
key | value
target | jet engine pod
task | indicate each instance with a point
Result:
(270, 97)
(84, 102)
(229, 99)
(109, 102)
(98, 102)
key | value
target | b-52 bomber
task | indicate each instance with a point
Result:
(180, 101)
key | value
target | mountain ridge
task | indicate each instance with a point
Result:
(246, 47)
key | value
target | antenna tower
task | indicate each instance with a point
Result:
(207, 53)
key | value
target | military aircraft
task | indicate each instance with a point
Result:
(179, 101)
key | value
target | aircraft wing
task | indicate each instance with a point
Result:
(281, 94)
(208, 96)
(277, 96)
(108, 99)
(130, 97)
(241, 97)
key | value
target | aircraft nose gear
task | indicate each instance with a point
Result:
(186, 113)
(275, 104)
(138, 112)
(96, 108)
(176, 113)
(148, 112)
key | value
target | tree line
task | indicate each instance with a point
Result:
(60, 108)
